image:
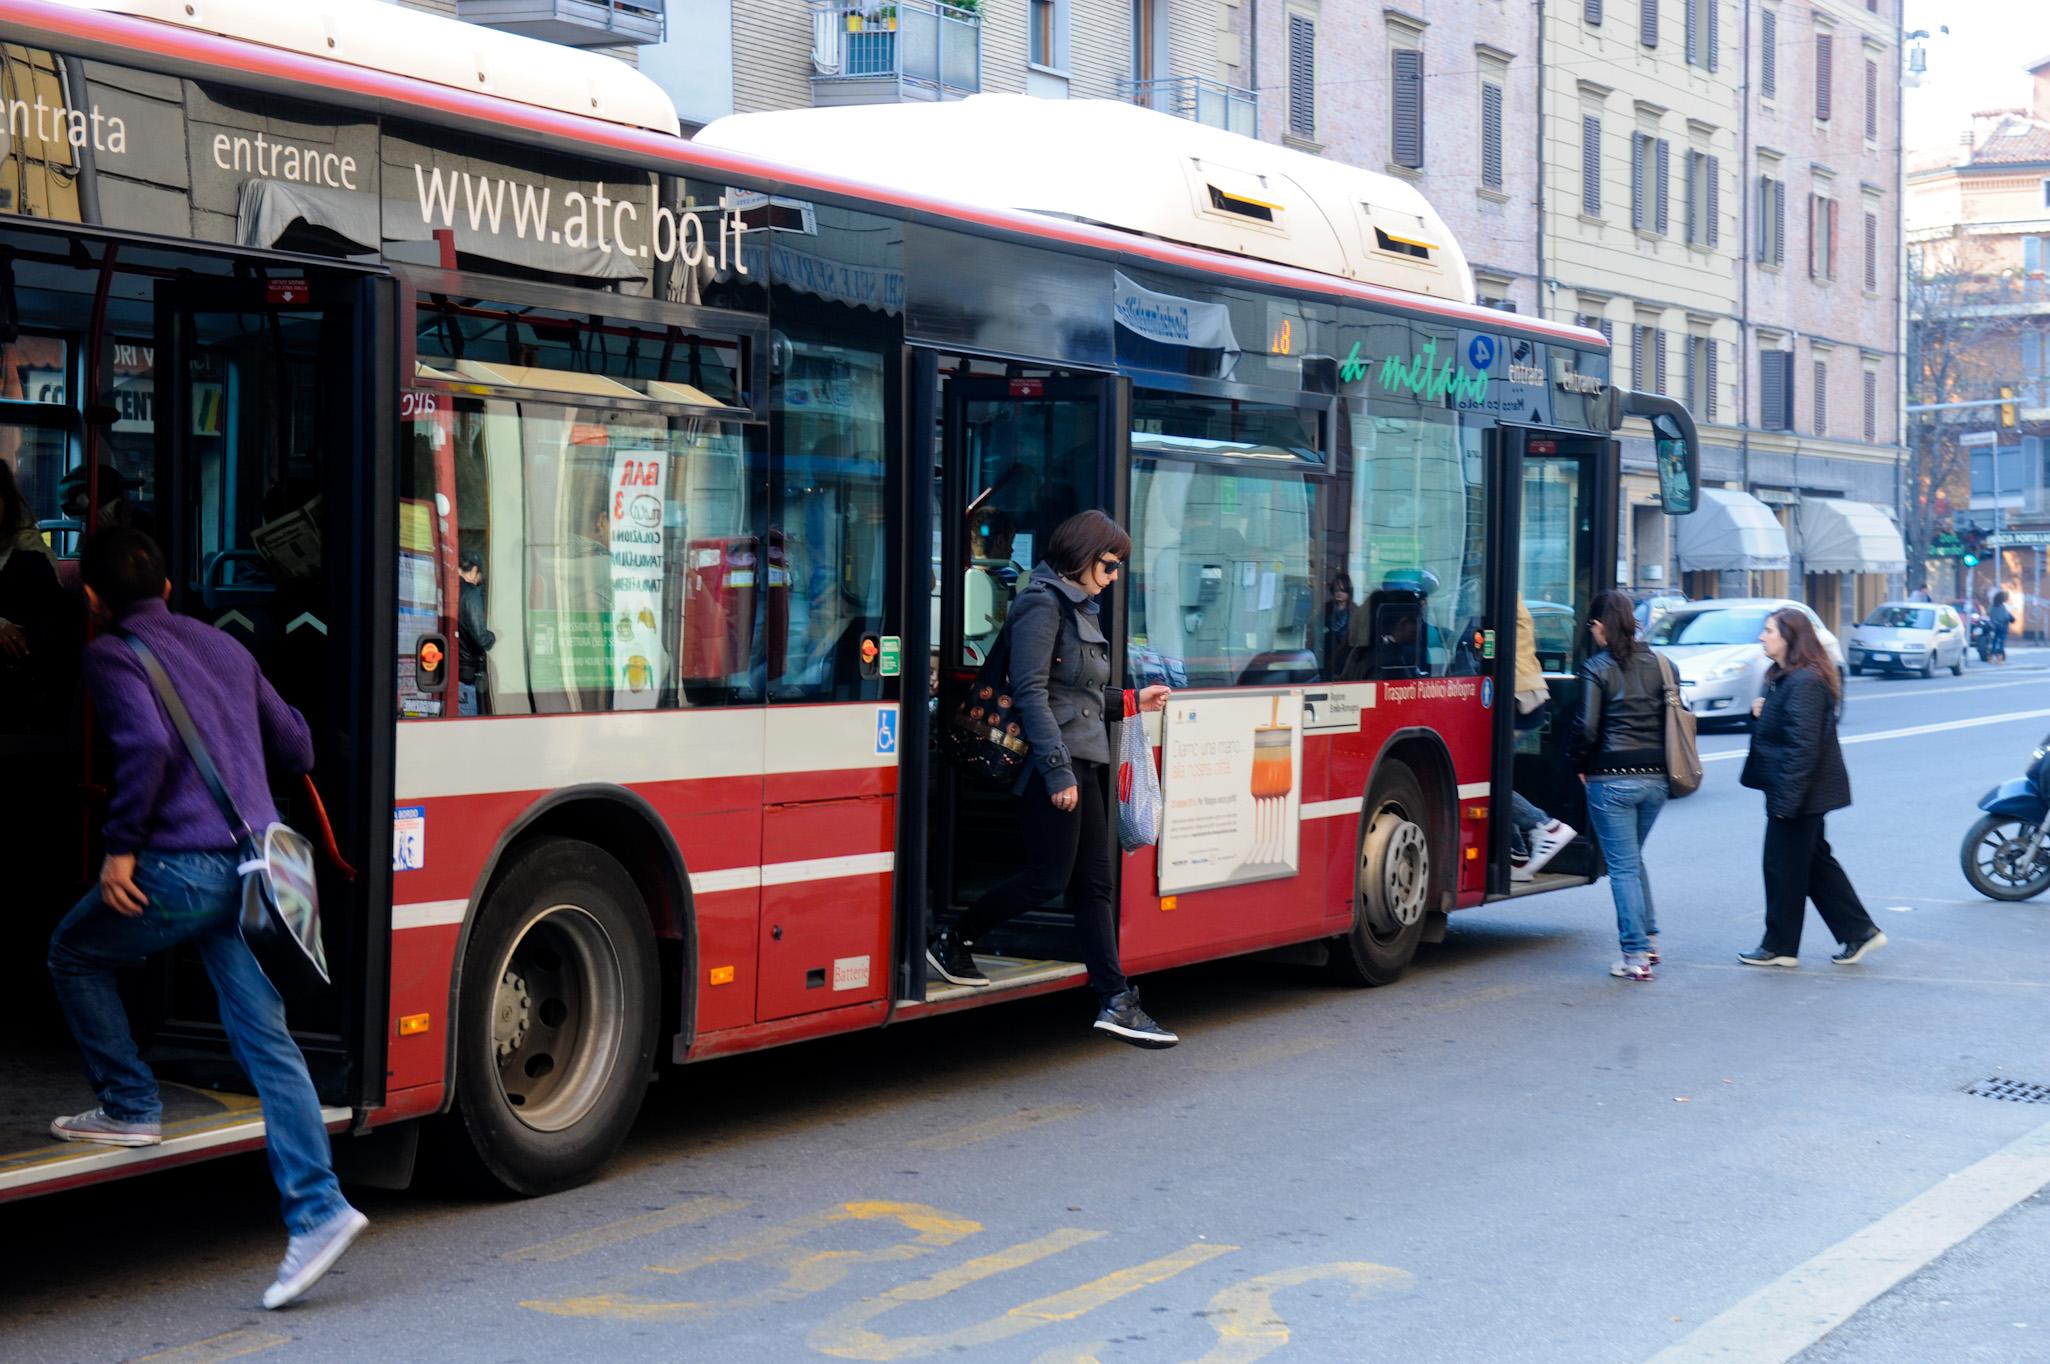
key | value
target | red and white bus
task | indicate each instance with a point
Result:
(622, 510)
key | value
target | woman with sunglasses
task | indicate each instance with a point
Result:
(1060, 671)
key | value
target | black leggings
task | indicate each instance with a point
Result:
(1065, 850)
(1799, 867)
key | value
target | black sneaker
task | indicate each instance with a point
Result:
(1758, 956)
(1123, 1019)
(949, 956)
(1851, 956)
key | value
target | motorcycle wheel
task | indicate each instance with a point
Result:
(1992, 859)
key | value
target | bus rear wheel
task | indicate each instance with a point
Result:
(1392, 893)
(556, 1020)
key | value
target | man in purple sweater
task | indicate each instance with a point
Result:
(171, 876)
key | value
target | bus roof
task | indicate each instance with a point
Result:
(1131, 168)
(426, 47)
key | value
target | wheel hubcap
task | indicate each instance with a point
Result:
(2009, 855)
(1395, 873)
(557, 1017)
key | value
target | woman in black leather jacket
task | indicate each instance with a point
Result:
(1796, 760)
(1619, 746)
(1060, 673)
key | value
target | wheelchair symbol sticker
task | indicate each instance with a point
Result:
(886, 734)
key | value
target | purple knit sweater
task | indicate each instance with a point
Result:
(159, 801)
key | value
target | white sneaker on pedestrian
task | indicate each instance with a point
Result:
(101, 1127)
(1545, 842)
(1632, 966)
(312, 1254)
(1519, 869)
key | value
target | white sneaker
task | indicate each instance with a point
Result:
(1545, 842)
(1520, 871)
(311, 1255)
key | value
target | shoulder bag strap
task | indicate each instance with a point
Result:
(181, 720)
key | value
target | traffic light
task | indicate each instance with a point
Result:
(2007, 406)
(1975, 545)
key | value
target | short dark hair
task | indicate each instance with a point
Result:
(470, 559)
(124, 566)
(1084, 538)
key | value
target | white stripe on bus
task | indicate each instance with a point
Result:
(429, 914)
(441, 758)
(1473, 789)
(1333, 809)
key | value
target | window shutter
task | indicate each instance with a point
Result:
(1637, 197)
(1824, 65)
(1714, 385)
(1491, 135)
(1872, 251)
(1871, 406)
(1715, 30)
(1663, 165)
(1640, 351)
(1693, 45)
(1693, 372)
(1591, 166)
(1773, 369)
(2032, 354)
(1764, 224)
(1779, 222)
(1409, 108)
(1591, 10)
(1814, 239)
(1830, 207)
(1871, 100)
(1768, 54)
(1715, 201)
(1821, 398)
(1658, 360)
(1302, 77)
(1608, 331)
(1648, 22)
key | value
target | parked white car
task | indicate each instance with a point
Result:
(1714, 647)
(1910, 636)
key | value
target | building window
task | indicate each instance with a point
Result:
(1491, 135)
(1648, 22)
(1591, 166)
(1648, 358)
(1712, 395)
(1776, 390)
(1658, 360)
(1302, 76)
(1871, 100)
(1493, 292)
(1822, 397)
(1043, 52)
(2035, 354)
(1650, 168)
(1145, 38)
(1871, 252)
(1704, 199)
(1703, 33)
(1407, 111)
(1591, 10)
(1825, 65)
(1821, 237)
(2046, 194)
(1772, 221)
(1871, 406)
(1768, 54)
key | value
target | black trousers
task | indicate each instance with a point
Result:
(1065, 851)
(1799, 867)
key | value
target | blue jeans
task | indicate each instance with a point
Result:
(1622, 810)
(1523, 817)
(195, 897)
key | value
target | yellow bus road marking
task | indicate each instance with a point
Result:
(233, 1345)
(846, 1334)
(1008, 1125)
(1248, 1327)
(805, 1271)
(624, 1230)
(1070, 1354)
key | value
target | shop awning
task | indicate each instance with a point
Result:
(1839, 536)
(1730, 530)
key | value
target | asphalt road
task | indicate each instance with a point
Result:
(1507, 1156)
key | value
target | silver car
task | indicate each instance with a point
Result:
(1910, 636)
(1714, 647)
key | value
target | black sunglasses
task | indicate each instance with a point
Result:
(1109, 563)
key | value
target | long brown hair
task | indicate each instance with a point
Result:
(1618, 618)
(1804, 651)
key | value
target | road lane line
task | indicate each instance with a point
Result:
(1809, 1301)
(1899, 694)
(1941, 727)
(1009, 1124)
(624, 1230)
(233, 1345)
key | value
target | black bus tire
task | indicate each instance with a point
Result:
(556, 1020)
(1393, 890)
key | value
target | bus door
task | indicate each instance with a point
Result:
(1018, 456)
(264, 407)
(1560, 522)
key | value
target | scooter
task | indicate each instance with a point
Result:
(1982, 638)
(2006, 855)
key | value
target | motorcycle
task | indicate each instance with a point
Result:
(1982, 638)
(2006, 854)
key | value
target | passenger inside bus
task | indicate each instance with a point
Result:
(991, 583)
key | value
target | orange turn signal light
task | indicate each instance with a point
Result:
(721, 975)
(412, 1025)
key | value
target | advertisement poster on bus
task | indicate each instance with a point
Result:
(1231, 779)
(640, 479)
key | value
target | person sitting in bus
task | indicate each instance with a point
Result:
(172, 875)
(990, 583)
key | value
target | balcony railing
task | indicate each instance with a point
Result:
(909, 49)
(573, 23)
(1198, 98)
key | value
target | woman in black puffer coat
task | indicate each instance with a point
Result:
(1796, 761)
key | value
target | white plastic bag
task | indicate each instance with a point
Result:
(1138, 787)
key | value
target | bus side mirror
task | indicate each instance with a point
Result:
(1676, 446)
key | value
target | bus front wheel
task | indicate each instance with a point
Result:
(1392, 893)
(556, 1021)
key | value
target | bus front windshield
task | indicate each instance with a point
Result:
(1709, 627)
